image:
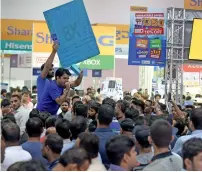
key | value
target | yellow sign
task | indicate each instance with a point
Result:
(17, 30)
(193, 4)
(196, 42)
(105, 37)
(42, 41)
(122, 32)
(140, 9)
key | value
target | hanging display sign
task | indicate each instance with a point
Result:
(193, 4)
(147, 42)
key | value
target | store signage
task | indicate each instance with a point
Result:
(193, 4)
(192, 68)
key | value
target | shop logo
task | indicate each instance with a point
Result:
(106, 40)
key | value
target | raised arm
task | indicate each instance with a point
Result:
(78, 81)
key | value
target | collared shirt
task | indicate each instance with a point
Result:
(96, 165)
(104, 135)
(21, 117)
(53, 164)
(67, 144)
(178, 145)
(15, 154)
(47, 102)
(115, 168)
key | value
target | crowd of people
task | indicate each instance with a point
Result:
(62, 131)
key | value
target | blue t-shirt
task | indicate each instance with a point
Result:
(47, 102)
(41, 83)
(34, 148)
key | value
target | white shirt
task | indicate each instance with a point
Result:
(15, 154)
(21, 117)
(96, 165)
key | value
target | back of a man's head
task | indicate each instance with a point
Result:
(90, 143)
(81, 110)
(105, 114)
(196, 118)
(10, 131)
(63, 128)
(54, 142)
(109, 101)
(161, 133)
(34, 127)
(132, 113)
(50, 122)
(43, 116)
(77, 126)
(34, 113)
(5, 103)
(123, 105)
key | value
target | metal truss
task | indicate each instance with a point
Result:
(177, 50)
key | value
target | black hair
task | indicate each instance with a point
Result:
(34, 113)
(61, 71)
(16, 95)
(141, 135)
(98, 90)
(42, 66)
(196, 118)
(117, 146)
(54, 142)
(5, 103)
(132, 113)
(75, 105)
(74, 156)
(3, 91)
(77, 126)
(63, 128)
(10, 117)
(163, 106)
(94, 105)
(140, 120)
(127, 98)
(32, 165)
(50, 122)
(10, 131)
(157, 95)
(180, 125)
(34, 87)
(110, 102)
(105, 114)
(127, 125)
(123, 105)
(81, 110)
(44, 116)
(34, 127)
(191, 148)
(92, 126)
(76, 97)
(90, 143)
(161, 133)
(138, 103)
(188, 98)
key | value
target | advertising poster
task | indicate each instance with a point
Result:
(147, 42)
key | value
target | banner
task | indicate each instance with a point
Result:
(193, 4)
(70, 26)
(105, 37)
(147, 44)
(21, 60)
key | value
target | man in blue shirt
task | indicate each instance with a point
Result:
(55, 93)
(47, 73)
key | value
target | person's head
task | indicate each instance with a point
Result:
(127, 126)
(86, 99)
(157, 97)
(120, 108)
(75, 99)
(77, 126)
(50, 73)
(15, 101)
(121, 151)
(180, 125)
(9, 116)
(138, 104)
(44, 116)
(75, 159)
(93, 108)
(63, 128)
(192, 154)
(50, 122)
(10, 132)
(32, 165)
(127, 98)
(62, 76)
(141, 135)
(5, 106)
(81, 110)
(34, 113)
(110, 102)
(75, 105)
(98, 90)
(105, 115)
(196, 119)
(92, 126)
(34, 89)
(3, 147)
(132, 113)
(188, 98)
(148, 107)
(3, 92)
(34, 127)
(52, 145)
(89, 142)
(89, 90)
(25, 97)
(160, 134)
